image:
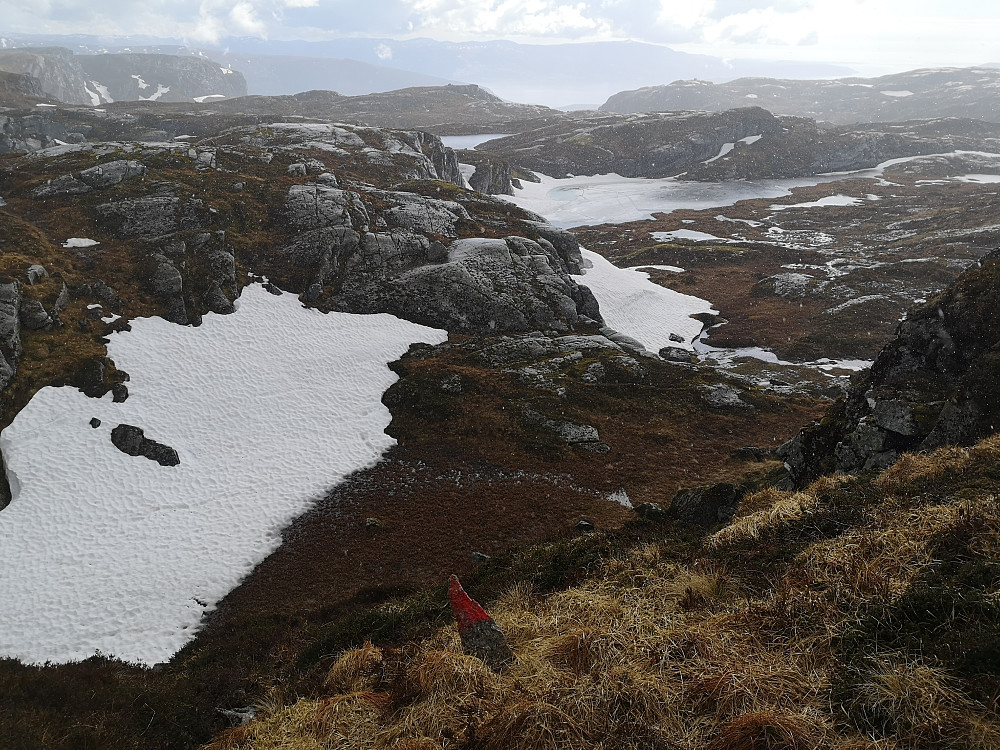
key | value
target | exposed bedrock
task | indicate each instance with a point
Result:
(934, 384)
(403, 258)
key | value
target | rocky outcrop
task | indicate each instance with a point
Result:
(802, 148)
(492, 178)
(21, 135)
(376, 252)
(97, 177)
(152, 216)
(934, 384)
(706, 506)
(652, 145)
(10, 331)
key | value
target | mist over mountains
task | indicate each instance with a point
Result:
(575, 75)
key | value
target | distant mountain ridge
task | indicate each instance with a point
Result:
(102, 79)
(915, 94)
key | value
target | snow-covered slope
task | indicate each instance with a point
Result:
(267, 408)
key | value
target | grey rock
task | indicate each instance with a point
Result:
(76, 138)
(95, 422)
(492, 177)
(677, 354)
(479, 557)
(10, 321)
(112, 173)
(708, 505)
(36, 273)
(594, 373)
(906, 417)
(217, 302)
(167, 283)
(677, 338)
(33, 315)
(723, 396)
(565, 244)
(577, 435)
(626, 342)
(298, 169)
(132, 441)
(62, 300)
(585, 524)
(65, 185)
(152, 216)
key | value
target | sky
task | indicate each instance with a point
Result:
(870, 35)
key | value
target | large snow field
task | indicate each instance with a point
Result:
(267, 409)
(635, 306)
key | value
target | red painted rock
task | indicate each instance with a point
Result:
(481, 637)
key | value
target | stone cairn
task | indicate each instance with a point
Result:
(481, 637)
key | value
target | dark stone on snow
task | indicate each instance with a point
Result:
(131, 440)
(95, 422)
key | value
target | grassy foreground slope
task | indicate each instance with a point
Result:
(857, 613)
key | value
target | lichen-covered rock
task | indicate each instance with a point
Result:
(33, 315)
(111, 173)
(152, 216)
(65, 185)
(36, 273)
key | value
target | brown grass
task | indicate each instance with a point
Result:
(651, 652)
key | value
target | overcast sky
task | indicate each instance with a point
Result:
(870, 35)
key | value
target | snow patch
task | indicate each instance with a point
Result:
(160, 91)
(103, 91)
(686, 234)
(203, 99)
(830, 200)
(635, 306)
(141, 83)
(267, 408)
(898, 94)
(80, 242)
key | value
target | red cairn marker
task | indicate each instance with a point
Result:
(481, 637)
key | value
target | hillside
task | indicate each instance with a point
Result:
(929, 93)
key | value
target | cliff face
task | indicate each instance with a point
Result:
(101, 79)
(56, 69)
(165, 78)
(933, 385)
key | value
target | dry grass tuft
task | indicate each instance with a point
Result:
(781, 509)
(768, 730)
(532, 724)
(920, 702)
(356, 670)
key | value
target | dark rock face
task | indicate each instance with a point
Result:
(933, 385)
(706, 506)
(57, 70)
(131, 440)
(949, 92)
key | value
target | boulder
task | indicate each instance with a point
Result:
(65, 185)
(708, 505)
(131, 440)
(36, 273)
(33, 315)
(111, 173)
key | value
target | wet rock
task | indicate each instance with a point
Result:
(708, 505)
(131, 440)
